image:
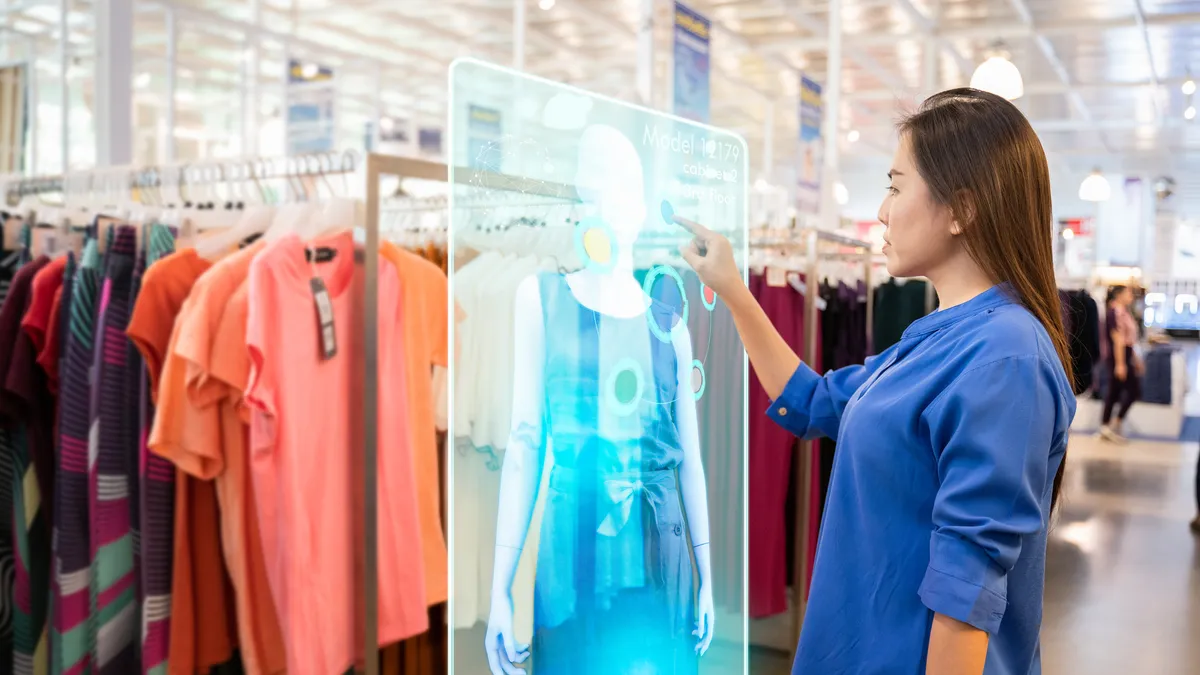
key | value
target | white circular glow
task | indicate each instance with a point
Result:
(1068, 234)
(142, 80)
(999, 76)
(1189, 87)
(310, 70)
(853, 136)
(840, 193)
(1190, 113)
(386, 124)
(546, 5)
(1095, 188)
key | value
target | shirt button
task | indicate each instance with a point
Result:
(678, 529)
(782, 412)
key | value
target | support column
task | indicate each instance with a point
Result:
(114, 81)
(768, 154)
(251, 91)
(519, 21)
(64, 63)
(929, 77)
(168, 138)
(831, 101)
(645, 54)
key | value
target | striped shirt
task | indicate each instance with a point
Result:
(71, 637)
(31, 540)
(157, 506)
(111, 468)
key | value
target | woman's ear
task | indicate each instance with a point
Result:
(962, 213)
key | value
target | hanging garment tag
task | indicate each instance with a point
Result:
(321, 255)
(776, 276)
(324, 318)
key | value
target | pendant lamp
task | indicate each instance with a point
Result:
(1095, 188)
(999, 75)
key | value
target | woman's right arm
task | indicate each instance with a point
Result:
(803, 402)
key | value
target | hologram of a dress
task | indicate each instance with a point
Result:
(613, 583)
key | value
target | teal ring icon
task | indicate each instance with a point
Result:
(704, 298)
(648, 288)
(612, 397)
(581, 229)
(698, 367)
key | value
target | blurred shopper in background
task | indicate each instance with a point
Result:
(1125, 367)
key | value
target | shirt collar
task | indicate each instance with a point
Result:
(1000, 294)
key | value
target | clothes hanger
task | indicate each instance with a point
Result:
(290, 218)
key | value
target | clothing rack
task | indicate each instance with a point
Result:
(145, 185)
(815, 245)
(814, 239)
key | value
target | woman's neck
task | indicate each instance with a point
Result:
(958, 280)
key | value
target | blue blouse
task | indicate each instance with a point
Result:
(948, 443)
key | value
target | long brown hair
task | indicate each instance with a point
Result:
(980, 156)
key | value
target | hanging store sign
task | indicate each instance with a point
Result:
(484, 130)
(811, 153)
(311, 108)
(429, 142)
(692, 43)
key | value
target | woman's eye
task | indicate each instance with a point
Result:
(892, 190)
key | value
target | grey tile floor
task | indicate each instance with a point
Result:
(1122, 572)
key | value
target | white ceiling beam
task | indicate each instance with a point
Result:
(1047, 49)
(854, 54)
(1073, 125)
(618, 27)
(1031, 89)
(985, 31)
(928, 26)
(1140, 15)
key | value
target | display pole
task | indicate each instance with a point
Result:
(64, 62)
(252, 91)
(930, 78)
(768, 153)
(519, 35)
(31, 59)
(168, 152)
(831, 103)
(114, 81)
(370, 418)
(645, 56)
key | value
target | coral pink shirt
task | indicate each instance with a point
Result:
(306, 457)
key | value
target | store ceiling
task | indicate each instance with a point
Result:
(1102, 76)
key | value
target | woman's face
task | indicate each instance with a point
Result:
(1125, 297)
(920, 233)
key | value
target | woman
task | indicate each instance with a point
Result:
(1123, 385)
(951, 442)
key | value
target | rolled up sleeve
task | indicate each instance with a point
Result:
(811, 405)
(992, 431)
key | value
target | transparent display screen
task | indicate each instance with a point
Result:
(598, 397)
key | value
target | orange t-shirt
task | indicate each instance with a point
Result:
(49, 356)
(305, 435)
(37, 320)
(203, 628)
(229, 365)
(165, 286)
(425, 298)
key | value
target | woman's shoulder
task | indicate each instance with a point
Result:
(1008, 332)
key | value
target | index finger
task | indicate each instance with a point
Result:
(692, 226)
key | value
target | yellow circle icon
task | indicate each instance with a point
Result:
(597, 245)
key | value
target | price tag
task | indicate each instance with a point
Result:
(324, 318)
(776, 277)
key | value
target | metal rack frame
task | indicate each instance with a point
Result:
(814, 238)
